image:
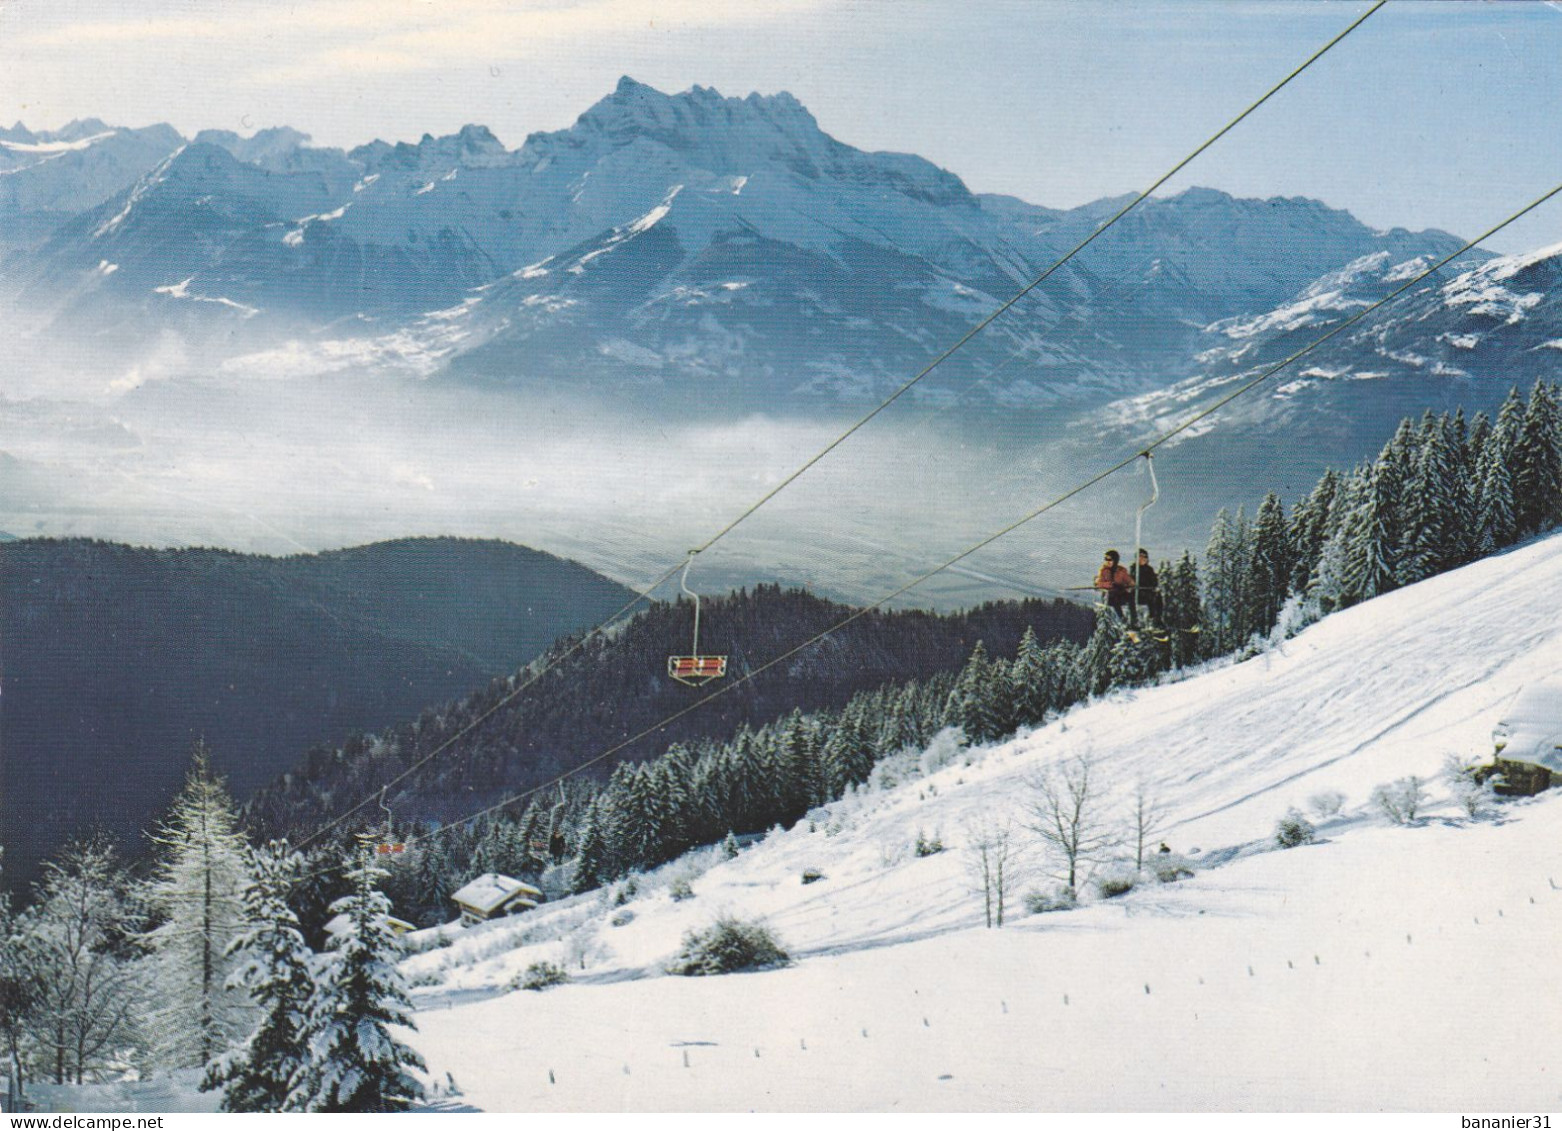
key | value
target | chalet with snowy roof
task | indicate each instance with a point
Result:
(341, 924)
(492, 895)
(1528, 757)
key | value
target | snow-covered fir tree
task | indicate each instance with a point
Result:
(593, 862)
(1310, 528)
(273, 966)
(1029, 687)
(979, 702)
(1537, 480)
(1224, 557)
(1181, 610)
(354, 1062)
(1372, 551)
(678, 802)
(1270, 576)
(1328, 584)
(799, 757)
(1136, 658)
(197, 898)
(848, 753)
(1496, 522)
(1097, 662)
(1436, 505)
(1479, 431)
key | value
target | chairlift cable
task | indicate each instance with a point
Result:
(546, 665)
(895, 396)
(1043, 277)
(1008, 529)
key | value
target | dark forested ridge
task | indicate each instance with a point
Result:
(115, 659)
(616, 685)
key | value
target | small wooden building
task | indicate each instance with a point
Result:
(341, 924)
(1528, 741)
(492, 895)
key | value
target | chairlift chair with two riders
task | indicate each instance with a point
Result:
(1135, 604)
(695, 669)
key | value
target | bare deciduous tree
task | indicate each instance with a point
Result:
(992, 855)
(1064, 809)
(91, 1000)
(1146, 821)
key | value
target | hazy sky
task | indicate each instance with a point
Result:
(1440, 114)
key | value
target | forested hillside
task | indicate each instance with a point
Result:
(1443, 492)
(616, 684)
(116, 659)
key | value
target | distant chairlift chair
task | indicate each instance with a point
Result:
(695, 669)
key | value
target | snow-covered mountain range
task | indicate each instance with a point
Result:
(316, 338)
(1460, 339)
(669, 240)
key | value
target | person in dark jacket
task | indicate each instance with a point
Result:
(1146, 588)
(1116, 582)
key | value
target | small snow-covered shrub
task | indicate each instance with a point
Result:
(540, 976)
(427, 978)
(729, 846)
(1169, 867)
(812, 875)
(727, 945)
(1293, 829)
(891, 852)
(1115, 884)
(941, 751)
(1401, 800)
(1059, 899)
(1474, 796)
(1326, 804)
(623, 918)
(1297, 613)
(583, 948)
(440, 938)
(929, 846)
(897, 769)
(680, 889)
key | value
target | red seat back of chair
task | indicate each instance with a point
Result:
(696, 667)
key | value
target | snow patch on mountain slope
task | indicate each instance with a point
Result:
(622, 234)
(295, 238)
(1481, 288)
(181, 290)
(56, 147)
(1508, 266)
(1329, 295)
(142, 187)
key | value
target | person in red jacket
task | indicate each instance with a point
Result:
(1116, 582)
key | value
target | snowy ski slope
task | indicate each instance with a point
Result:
(1401, 968)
